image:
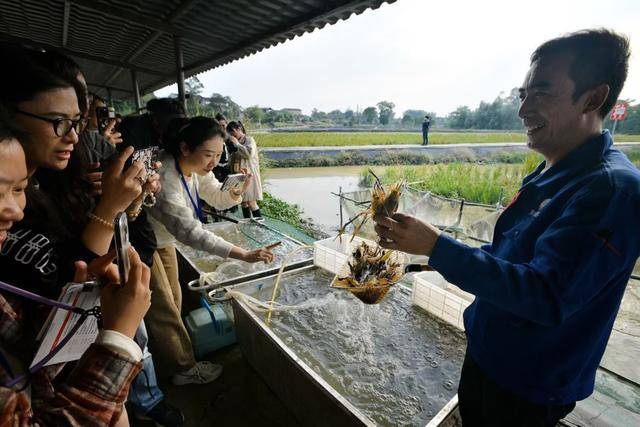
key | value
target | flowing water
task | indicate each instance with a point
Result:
(246, 236)
(397, 364)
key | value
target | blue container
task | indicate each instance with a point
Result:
(210, 328)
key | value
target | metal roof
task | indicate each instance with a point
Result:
(110, 38)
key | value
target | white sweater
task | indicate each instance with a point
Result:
(174, 218)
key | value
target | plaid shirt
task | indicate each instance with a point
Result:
(89, 392)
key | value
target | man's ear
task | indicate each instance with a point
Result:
(595, 98)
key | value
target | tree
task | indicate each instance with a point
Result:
(318, 115)
(370, 115)
(502, 114)
(386, 111)
(414, 118)
(461, 118)
(254, 113)
(193, 86)
(225, 105)
(336, 116)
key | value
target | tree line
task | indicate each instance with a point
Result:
(499, 114)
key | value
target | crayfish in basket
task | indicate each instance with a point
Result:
(370, 273)
(382, 203)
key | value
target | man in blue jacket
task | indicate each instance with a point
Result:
(549, 286)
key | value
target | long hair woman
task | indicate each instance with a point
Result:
(248, 155)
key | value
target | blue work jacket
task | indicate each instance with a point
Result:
(549, 286)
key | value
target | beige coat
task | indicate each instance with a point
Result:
(248, 154)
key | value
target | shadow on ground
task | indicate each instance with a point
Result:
(238, 398)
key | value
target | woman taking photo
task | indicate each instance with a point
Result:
(248, 155)
(193, 149)
(92, 390)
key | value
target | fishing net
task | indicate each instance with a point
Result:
(471, 223)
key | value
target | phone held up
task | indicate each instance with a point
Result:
(233, 181)
(104, 116)
(121, 237)
(148, 157)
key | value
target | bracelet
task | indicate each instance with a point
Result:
(99, 220)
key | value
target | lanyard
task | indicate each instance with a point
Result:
(197, 203)
(95, 311)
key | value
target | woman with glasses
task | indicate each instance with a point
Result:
(60, 224)
(93, 391)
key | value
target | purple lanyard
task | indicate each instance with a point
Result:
(95, 311)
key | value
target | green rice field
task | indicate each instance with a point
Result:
(316, 139)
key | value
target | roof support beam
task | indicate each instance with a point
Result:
(82, 55)
(114, 88)
(145, 21)
(183, 9)
(136, 90)
(65, 23)
(180, 71)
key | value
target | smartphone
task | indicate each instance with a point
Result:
(148, 156)
(121, 237)
(104, 116)
(233, 181)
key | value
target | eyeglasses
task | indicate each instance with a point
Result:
(61, 127)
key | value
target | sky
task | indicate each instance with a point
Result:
(430, 55)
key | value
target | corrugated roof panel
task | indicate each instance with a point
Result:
(140, 33)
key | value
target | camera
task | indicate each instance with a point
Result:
(104, 116)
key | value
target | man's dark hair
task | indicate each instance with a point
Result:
(598, 57)
(164, 110)
(165, 107)
(220, 116)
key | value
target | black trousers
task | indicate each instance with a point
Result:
(425, 138)
(483, 403)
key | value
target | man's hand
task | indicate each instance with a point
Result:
(407, 234)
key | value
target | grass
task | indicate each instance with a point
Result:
(488, 184)
(279, 209)
(316, 139)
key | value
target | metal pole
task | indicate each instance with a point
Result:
(179, 71)
(341, 216)
(613, 131)
(136, 90)
(110, 97)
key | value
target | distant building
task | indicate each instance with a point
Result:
(292, 111)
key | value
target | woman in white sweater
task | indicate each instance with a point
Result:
(192, 149)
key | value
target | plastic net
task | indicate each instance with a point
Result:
(470, 222)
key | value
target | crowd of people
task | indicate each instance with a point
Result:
(547, 288)
(64, 180)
